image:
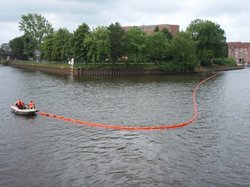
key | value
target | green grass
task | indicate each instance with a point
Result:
(225, 61)
(42, 64)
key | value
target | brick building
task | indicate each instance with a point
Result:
(240, 51)
(173, 29)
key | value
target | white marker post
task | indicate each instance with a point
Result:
(71, 63)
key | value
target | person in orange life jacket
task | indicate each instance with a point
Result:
(31, 104)
(20, 104)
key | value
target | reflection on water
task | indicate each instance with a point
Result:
(40, 151)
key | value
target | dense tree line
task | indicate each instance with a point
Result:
(203, 43)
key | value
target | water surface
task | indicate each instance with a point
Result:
(41, 151)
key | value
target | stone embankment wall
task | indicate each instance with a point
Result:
(87, 72)
(110, 72)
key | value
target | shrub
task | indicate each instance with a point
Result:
(225, 61)
(172, 67)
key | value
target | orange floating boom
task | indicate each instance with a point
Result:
(138, 128)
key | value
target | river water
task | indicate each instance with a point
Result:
(42, 151)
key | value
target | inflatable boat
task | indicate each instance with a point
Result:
(25, 111)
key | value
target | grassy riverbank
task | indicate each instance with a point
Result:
(41, 64)
(158, 67)
(217, 68)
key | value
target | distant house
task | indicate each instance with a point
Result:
(173, 29)
(240, 51)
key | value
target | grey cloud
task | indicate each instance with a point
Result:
(71, 13)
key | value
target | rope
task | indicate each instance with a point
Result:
(137, 128)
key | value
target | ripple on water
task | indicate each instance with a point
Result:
(213, 151)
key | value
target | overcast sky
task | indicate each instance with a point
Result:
(232, 15)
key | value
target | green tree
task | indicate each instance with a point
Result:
(136, 45)
(17, 47)
(29, 47)
(156, 29)
(67, 49)
(56, 47)
(6, 47)
(60, 45)
(182, 49)
(117, 41)
(35, 28)
(98, 44)
(210, 38)
(47, 47)
(167, 34)
(156, 46)
(2, 52)
(78, 45)
(5, 50)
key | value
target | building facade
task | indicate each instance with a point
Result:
(240, 51)
(173, 29)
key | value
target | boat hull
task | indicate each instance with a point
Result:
(25, 112)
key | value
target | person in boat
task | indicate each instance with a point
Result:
(20, 104)
(31, 105)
